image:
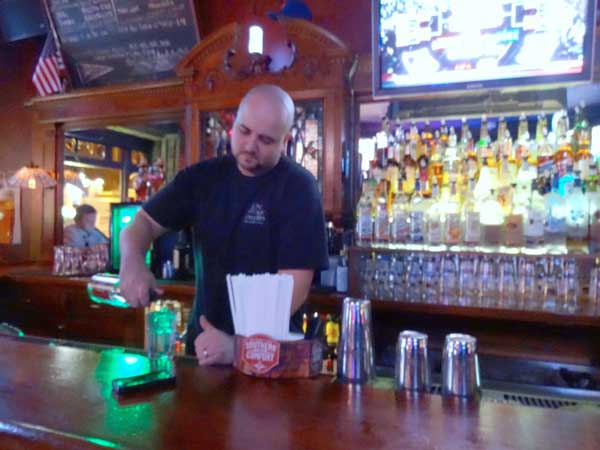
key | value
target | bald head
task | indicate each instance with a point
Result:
(261, 129)
(274, 97)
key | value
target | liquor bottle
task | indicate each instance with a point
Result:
(452, 224)
(484, 150)
(583, 156)
(341, 276)
(540, 133)
(400, 143)
(515, 218)
(466, 139)
(506, 179)
(523, 129)
(471, 163)
(182, 257)
(562, 126)
(563, 157)
(434, 216)
(567, 181)
(331, 244)
(382, 139)
(470, 217)
(436, 168)
(409, 171)
(501, 132)
(427, 135)
(581, 125)
(438, 145)
(332, 332)
(364, 218)
(382, 218)
(492, 220)
(444, 134)
(577, 216)
(525, 176)
(488, 179)
(593, 195)
(484, 133)
(465, 133)
(392, 174)
(414, 140)
(452, 138)
(399, 227)
(539, 127)
(417, 207)
(545, 154)
(451, 164)
(423, 169)
(523, 137)
(533, 229)
(555, 230)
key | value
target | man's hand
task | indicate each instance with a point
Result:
(136, 282)
(213, 346)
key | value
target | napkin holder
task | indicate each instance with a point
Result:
(262, 356)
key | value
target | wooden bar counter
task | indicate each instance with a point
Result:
(56, 396)
(42, 304)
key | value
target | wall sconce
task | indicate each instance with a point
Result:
(32, 177)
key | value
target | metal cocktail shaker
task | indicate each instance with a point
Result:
(356, 362)
(460, 366)
(412, 367)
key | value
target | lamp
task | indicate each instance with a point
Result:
(31, 177)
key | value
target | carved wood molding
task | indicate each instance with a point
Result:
(322, 60)
(125, 100)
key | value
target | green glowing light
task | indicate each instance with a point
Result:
(130, 359)
(102, 443)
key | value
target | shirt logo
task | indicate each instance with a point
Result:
(256, 215)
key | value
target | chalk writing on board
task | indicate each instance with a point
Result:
(119, 41)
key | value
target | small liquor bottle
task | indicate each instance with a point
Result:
(183, 257)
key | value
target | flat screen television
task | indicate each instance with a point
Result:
(422, 46)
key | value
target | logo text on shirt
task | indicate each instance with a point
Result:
(255, 215)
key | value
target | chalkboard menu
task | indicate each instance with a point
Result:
(121, 41)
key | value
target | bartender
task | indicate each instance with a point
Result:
(83, 233)
(255, 211)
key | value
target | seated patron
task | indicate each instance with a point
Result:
(83, 233)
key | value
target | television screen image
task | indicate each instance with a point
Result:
(423, 45)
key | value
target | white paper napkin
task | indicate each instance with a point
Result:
(261, 304)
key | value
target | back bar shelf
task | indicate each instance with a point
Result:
(547, 285)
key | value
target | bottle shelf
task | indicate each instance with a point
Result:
(574, 249)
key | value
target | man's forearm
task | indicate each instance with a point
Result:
(135, 239)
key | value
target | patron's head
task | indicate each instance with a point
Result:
(85, 217)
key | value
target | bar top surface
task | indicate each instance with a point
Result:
(55, 396)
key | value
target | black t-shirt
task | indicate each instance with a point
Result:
(242, 225)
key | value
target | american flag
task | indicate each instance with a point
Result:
(46, 76)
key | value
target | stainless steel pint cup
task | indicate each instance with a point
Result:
(356, 362)
(460, 366)
(412, 368)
